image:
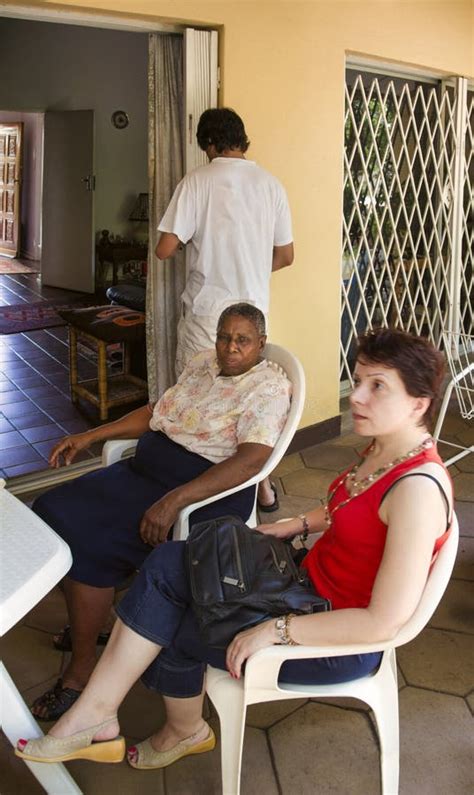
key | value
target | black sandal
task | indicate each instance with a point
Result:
(63, 641)
(275, 504)
(56, 701)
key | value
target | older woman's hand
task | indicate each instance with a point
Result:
(248, 642)
(158, 519)
(68, 447)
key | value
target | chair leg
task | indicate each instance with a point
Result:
(385, 709)
(228, 697)
(17, 721)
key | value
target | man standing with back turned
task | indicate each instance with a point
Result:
(236, 219)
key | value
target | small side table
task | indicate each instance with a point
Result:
(104, 325)
(118, 253)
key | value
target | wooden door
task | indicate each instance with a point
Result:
(10, 185)
(67, 254)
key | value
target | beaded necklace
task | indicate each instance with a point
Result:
(358, 486)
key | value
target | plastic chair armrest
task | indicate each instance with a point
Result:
(181, 525)
(113, 450)
(263, 667)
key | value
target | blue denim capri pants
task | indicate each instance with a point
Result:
(158, 607)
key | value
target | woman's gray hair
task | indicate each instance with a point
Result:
(248, 311)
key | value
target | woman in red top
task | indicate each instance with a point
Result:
(381, 526)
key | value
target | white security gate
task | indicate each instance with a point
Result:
(407, 220)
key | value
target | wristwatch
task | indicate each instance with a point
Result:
(282, 626)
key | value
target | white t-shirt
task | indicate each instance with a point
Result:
(233, 213)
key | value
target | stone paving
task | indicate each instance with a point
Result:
(301, 746)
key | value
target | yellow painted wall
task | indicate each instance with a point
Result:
(283, 71)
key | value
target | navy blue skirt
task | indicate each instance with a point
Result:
(99, 514)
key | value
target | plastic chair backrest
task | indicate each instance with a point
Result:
(295, 373)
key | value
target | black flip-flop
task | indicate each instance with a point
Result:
(275, 504)
(63, 643)
(56, 701)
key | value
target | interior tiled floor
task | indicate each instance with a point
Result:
(35, 407)
(301, 746)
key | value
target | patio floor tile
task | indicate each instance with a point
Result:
(322, 748)
(435, 744)
(439, 660)
(463, 486)
(308, 482)
(328, 456)
(455, 609)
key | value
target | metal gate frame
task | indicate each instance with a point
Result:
(408, 205)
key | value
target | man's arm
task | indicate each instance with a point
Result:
(167, 245)
(246, 462)
(282, 256)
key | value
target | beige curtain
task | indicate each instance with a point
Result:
(165, 147)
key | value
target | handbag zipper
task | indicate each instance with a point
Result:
(296, 571)
(238, 560)
(280, 564)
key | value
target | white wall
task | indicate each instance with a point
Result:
(44, 66)
(32, 158)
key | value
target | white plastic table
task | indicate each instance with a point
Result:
(33, 558)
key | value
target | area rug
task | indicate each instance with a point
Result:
(18, 318)
(8, 267)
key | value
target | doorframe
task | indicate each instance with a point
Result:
(113, 20)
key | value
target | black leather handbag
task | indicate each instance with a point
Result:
(240, 577)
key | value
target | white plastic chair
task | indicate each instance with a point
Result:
(379, 690)
(33, 560)
(113, 450)
(459, 350)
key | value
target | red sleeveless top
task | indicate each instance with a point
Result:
(344, 562)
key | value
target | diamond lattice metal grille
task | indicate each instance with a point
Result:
(399, 184)
(467, 244)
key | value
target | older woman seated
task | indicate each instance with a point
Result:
(383, 523)
(210, 432)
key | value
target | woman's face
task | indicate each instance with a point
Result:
(238, 345)
(380, 403)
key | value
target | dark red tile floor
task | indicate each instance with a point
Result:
(35, 408)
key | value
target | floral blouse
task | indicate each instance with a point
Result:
(211, 415)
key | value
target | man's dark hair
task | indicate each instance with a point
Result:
(249, 312)
(223, 128)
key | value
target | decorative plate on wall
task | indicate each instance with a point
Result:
(120, 119)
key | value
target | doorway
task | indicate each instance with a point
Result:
(121, 176)
(100, 72)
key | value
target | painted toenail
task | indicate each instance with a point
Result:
(21, 744)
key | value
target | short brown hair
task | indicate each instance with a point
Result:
(420, 365)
